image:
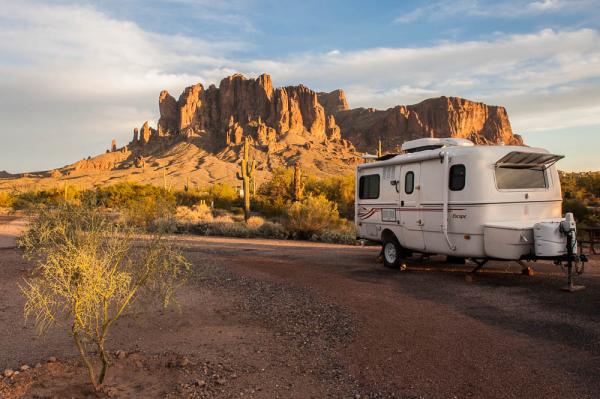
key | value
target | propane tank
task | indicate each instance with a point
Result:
(550, 237)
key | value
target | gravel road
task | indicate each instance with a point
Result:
(300, 320)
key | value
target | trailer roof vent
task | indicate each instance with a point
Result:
(430, 143)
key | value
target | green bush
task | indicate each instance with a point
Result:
(189, 198)
(55, 196)
(145, 206)
(338, 189)
(578, 208)
(126, 195)
(223, 196)
(312, 215)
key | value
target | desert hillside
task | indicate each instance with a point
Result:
(200, 134)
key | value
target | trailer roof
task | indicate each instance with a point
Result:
(495, 154)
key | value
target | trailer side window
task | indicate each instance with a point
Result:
(520, 179)
(368, 187)
(457, 177)
(409, 182)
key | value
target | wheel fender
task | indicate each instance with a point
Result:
(388, 234)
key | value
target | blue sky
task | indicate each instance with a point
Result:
(75, 74)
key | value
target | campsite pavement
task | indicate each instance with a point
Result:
(299, 319)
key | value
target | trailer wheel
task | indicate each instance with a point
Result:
(391, 252)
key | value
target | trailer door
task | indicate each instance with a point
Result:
(411, 213)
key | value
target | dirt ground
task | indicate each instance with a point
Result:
(280, 319)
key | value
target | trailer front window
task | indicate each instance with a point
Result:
(520, 178)
(368, 187)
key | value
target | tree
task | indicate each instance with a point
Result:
(88, 271)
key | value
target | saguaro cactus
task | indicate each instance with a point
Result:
(298, 184)
(379, 152)
(246, 176)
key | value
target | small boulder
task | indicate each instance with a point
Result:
(24, 367)
(120, 354)
(51, 359)
(184, 362)
(8, 373)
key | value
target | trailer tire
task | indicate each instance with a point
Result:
(391, 251)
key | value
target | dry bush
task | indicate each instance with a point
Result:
(313, 215)
(254, 222)
(6, 199)
(196, 214)
(345, 233)
(89, 271)
(272, 230)
(223, 218)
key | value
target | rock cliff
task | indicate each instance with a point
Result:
(241, 106)
(435, 117)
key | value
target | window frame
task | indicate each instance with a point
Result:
(412, 182)
(361, 188)
(451, 187)
(547, 181)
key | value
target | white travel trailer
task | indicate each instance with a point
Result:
(447, 196)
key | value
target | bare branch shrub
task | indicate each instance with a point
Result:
(88, 271)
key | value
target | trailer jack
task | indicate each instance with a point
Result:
(579, 260)
(470, 277)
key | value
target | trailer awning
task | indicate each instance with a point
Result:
(527, 160)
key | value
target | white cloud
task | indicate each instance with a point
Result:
(73, 78)
(547, 5)
(441, 9)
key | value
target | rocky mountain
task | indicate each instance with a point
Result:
(435, 117)
(200, 134)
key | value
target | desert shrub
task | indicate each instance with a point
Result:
(254, 222)
(223, 218)
(345, 233)
(189, 198)
(222, 195)
(6, 199)
(312, 215)
(271, 230)
(144, 206)
(197, 213)
(126, 195)
(54, 196)
(582, 186)
(88, 272)
(338, 189)
(578, 208)
(219, 228)
(275, 195)
(150, 214)
(278, 188)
